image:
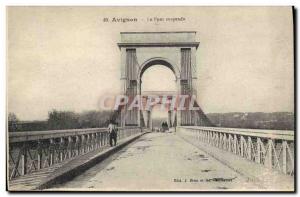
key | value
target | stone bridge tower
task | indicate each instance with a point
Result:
(141, 50)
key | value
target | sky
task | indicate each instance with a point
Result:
(66, 58)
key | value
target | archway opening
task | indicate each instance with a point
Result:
(158, 80)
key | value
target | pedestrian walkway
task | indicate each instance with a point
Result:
(160, 161)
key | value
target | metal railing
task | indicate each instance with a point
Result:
(271, 148)
(35, 150)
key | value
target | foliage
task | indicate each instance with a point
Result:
(62, 120)
(254, 120)
(12, 122)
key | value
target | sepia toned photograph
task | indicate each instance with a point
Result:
(150, 99)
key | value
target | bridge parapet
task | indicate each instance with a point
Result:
(272, 148)
(35, 150)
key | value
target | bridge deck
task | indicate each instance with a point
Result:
(160, 161)
(30, 181)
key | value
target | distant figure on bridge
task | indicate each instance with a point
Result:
(164, 126)
(112, 130)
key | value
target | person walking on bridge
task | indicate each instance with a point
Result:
(112, 130)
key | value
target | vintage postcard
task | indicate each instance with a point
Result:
(150, 99)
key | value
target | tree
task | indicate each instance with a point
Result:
(62, 120)
(12, 122)
(94, 119)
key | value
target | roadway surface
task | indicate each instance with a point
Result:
(159, 161)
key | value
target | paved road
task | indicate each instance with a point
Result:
(160, 161)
